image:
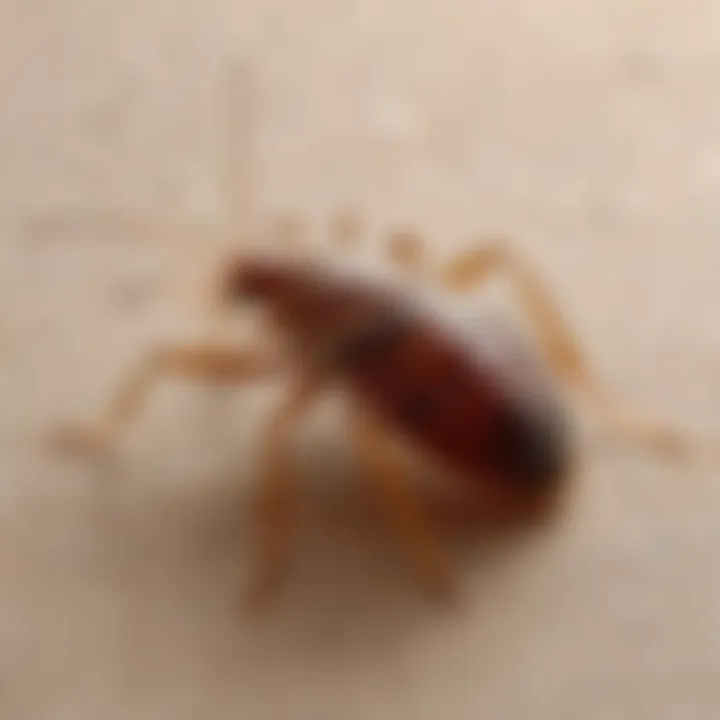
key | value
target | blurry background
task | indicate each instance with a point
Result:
(587, 132)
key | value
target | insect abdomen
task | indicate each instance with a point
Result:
(437, 395)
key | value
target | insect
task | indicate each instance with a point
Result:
(495, 424)
(462, 399)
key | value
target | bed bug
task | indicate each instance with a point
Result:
(465, 398)
(494, 422)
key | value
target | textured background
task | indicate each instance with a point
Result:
(588, 132)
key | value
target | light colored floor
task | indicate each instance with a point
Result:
(588, 132)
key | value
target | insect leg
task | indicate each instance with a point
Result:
(562, 348)
(274, 511)
(406, 251)
(237, 177)
(198, 362)
(288, 231)
(401, 503)
(345, 230)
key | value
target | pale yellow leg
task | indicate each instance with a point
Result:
(237, 177)
(560, 345)
(402, 504)
(274, 509)
(406, 251)
(288, 231)
(202, 362)
(346, 230)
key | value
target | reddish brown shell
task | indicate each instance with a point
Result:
(434, 390)
(490, 419)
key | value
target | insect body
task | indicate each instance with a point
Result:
(417, 373)
(494, 423)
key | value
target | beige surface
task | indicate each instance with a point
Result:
(589, 132)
